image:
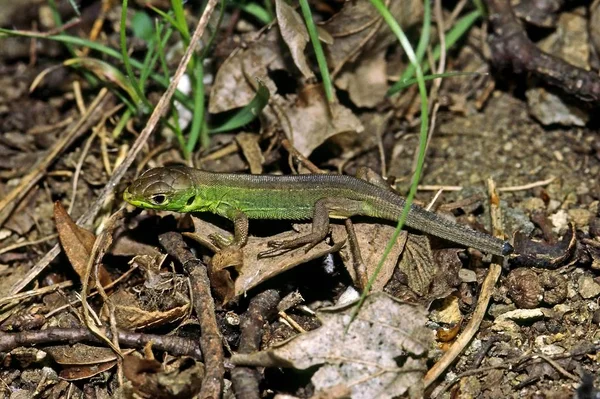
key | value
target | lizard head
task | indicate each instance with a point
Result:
(168, 188)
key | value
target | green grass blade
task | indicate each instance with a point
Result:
(260, 13)
(453, 35)
(198, 118)
(412, 81)
(425, 32)
(316, 43)
(177, 6)
(133, 82)
(393, 24)
(183, 31)
(248, 113)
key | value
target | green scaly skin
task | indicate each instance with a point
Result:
(240, 197)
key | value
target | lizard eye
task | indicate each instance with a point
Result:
(158, 199)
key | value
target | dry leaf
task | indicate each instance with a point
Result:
(372, 240)
(359, 28)
(252, 271)
(82, 361)
(383, 354)
(231, 88)
(294, 34)
(132, 314)
(77, 243)
(367, 83)
(313, 120)
(248, 143)
(418, 264)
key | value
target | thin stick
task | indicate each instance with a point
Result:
(528, 186)
(485, 295)
(18, 245)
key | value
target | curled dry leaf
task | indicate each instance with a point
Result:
(133, 314)
(231, 88)
(82, 361)
(382, 355)
(77, 243)
(361, 41)
(294, 34)
(251, 270)
(313, 120)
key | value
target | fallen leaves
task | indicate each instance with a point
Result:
(383, 353)
(77, 243)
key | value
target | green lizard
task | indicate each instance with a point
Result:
(240, 197)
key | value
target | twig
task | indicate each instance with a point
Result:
(176, 346)
(204, 306)
(262, 307)
(528, 186)
(559, 368)
(137, 146)
(18, 245)
(485, 295)
(38, 291)
(511, 47)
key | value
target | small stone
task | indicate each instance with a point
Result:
(581, 217)
(522, 315)
(524, 288)
(588, 288)
(467, 276)
(552, 350)
(533, 204)
(553, 205)
(559, 221)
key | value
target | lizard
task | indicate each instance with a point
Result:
(240, 197)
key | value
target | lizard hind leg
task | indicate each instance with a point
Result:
(339, 208)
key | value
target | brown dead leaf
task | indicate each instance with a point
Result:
(231, 88)
(80, 354)
(133, 314)
(293, 31)
(313, 120)
(366, 357)
(372, 240)
(81, 362)
(76, 373)
(367, 83)
(418, 264)
(358, 28)
(248, 143)
(77, 243)
(251, 270)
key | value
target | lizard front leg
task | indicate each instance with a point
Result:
(324, 208)
(240, 229)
